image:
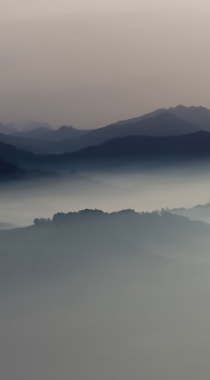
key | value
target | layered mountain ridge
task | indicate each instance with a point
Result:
(67, 139)
(163, 134)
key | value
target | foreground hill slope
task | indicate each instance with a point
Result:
(105, 296)
(77, 238)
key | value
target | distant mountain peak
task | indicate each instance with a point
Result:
(197, 115)
(7, 129)
(65, 128)
(30, 125)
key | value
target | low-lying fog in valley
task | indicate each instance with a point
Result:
(95, 296)
(142, 190)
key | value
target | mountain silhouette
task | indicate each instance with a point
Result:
(193, 145)
(7, 129)
(30, 125)
(56, 135)
(30, 144)
(34, 133)
(49, 244)
(198, 212)
(164, 124)
(160, 125)
(199, 116)
(67, 139)
(130, 149)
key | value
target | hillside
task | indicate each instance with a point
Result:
(130, 149)
(80, 238)
(194, 145)
(6, 168)
(30, 144)
(164, 124)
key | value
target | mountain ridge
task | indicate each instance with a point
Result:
(56, 135)
(199, 116)
(194, 146)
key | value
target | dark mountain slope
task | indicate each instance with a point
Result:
(192, 145)
(17, 156)
(164, 124)
(134, 149)
(6, 168)
(31, 145)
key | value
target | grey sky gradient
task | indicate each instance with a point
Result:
(88, 63)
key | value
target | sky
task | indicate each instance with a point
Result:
(89, 63)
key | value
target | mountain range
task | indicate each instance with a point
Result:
(13, 128)
(121, 150)
(67, 139)
(199, 116)
(176, 133)
(53, 135)
(40, 138)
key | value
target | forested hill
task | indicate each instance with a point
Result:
(81, 238)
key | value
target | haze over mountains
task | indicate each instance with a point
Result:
(118, 152)
(80, 284)
(198, 212)
(199, 116)
(53, 135)
(174, 121)
(8, 129)
(176, 133)
(104, 205)
(12, 128)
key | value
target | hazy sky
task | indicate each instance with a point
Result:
(88, 63)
